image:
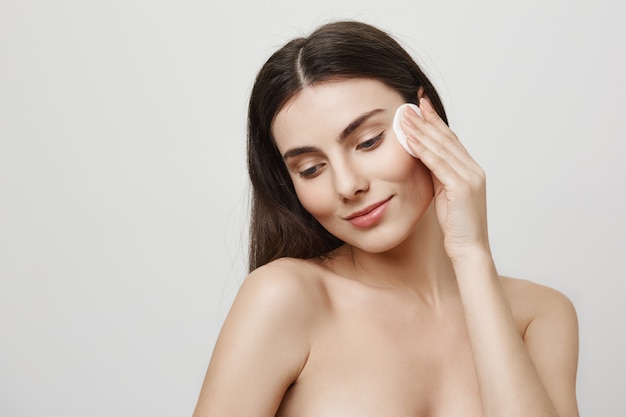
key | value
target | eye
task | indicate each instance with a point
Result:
(371, 143)
(311, 172)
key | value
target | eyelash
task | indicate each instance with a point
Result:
(310, 172)
(373, 142)
(366, 145)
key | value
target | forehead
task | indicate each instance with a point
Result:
(323, 110)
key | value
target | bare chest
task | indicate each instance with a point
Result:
(386, 356)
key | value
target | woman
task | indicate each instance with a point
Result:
(372, 289)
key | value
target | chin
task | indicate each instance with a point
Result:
(383, 240)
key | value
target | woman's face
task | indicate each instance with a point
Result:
(347, 167)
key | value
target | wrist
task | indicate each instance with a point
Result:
(473, 259)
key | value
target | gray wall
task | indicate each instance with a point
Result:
(123, 187)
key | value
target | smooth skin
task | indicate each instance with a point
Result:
(409, 317)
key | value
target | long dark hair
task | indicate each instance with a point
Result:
(280, 226)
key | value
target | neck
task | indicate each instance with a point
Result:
(419, 263)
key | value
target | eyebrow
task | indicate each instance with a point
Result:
(297, 151)
(354, 125)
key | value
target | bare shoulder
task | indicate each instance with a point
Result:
(549, 328)
(534, 295)
(265, 340)
(291, 288)
(531, 301)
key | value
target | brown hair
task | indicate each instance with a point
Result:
(279, 225)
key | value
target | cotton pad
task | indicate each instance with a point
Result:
(398, 130)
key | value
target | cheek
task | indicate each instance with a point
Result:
(397, 166)
(422, 180)
(315, 196)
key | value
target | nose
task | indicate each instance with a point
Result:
(349, 181)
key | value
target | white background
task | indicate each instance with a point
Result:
(123, 210)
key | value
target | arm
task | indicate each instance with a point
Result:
(533, 376)
(261, 348)
(516, 377)
(552, 342)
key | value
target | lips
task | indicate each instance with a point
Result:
(370, 215)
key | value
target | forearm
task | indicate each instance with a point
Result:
(508, 380)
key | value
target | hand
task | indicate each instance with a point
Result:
(458, 182)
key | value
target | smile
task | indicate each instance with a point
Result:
(370, 215)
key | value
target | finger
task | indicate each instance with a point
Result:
(459, 188)
(447, 167)
(431, 123)
(441, 134)
(458, 160)
(440, 138)
(431, 115)
(440, 166)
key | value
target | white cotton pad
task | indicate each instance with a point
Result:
(398, 130)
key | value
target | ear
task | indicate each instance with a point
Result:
(420, 93)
